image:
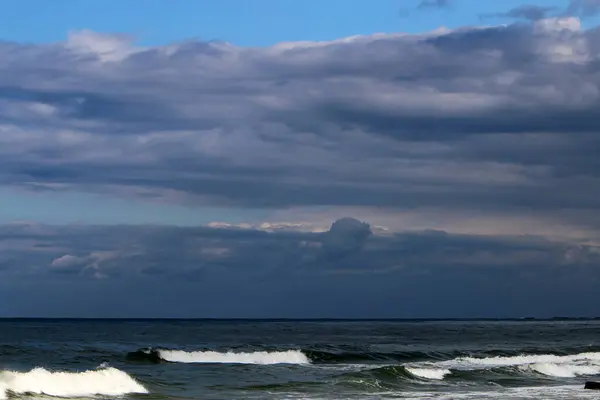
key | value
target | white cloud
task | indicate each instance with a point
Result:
(67, 261)
(108, 48)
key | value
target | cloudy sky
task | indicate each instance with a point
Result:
(434, 158)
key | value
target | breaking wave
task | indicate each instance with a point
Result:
(215, 357)
(433, 366)
(103, 381)
(515, 370)
(429, 373)
(488, 358)
(565, 370)
(396, 372)
(582, 364)
(389, 377)
(400, 371)
(525, 360)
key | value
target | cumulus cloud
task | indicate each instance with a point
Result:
(346, 237)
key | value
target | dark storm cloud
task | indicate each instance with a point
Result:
(494, 117)
(345, 271)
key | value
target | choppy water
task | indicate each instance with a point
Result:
(147, 359)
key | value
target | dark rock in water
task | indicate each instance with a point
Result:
(592, 385)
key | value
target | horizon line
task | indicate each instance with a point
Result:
(292, 319)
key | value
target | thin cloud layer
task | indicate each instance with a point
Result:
(584, 8)
(575, 8)
(346, 271)
(423, 4)
(529, 12)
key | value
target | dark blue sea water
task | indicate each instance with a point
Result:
(204, 359)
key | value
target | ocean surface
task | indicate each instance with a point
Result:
(244, 359)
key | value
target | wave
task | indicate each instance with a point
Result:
(344, 356)
(215, 357)
(504, 371)
(400, 372)
(474, 362)
(429, 373)
(388, 369)
(257, 357)
(549, 365)
(155, 355)
(562, 367)
(391, 377)
(158, 355)
(564, 370)
(425, 365)
(105, 381)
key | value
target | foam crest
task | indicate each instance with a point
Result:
(564, 370)
(104, 381)
(428, 373)
(258, 357)
(472, 362)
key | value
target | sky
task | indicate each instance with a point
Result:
(300, 159)
(246, 22)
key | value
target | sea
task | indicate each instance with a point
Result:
(293, 359)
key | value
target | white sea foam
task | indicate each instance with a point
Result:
(583, 364)
(428, 373)
(564, 370)
(257, 357)
(472, 362)
(104, 381)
